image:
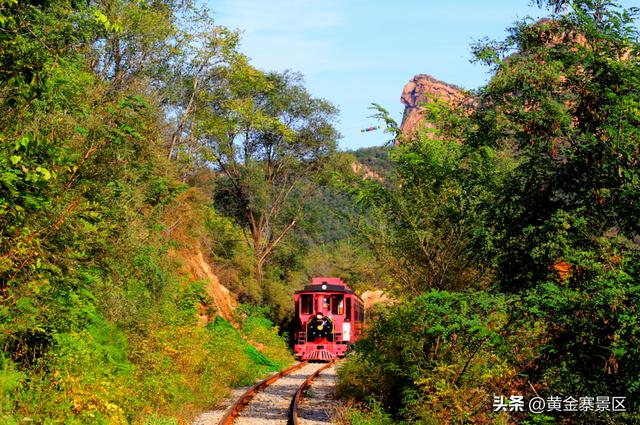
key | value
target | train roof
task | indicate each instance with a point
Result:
(327, 284)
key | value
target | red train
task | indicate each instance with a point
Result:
(328, 318)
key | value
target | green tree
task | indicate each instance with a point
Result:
(563, 104)
(425, 222)
(439, 357)
(200, 70)
(566, 105)
(85, 279)
(268, 138)
(544, 178)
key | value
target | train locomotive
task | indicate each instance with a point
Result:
(328, 318)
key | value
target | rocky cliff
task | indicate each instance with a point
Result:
(424, 89)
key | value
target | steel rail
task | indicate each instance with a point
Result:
(293, 411)
(235, 409)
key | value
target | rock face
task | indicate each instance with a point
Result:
(192, 264)
(375, 297)
(424, 89)
(365, 171)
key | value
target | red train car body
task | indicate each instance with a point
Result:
(328, 318)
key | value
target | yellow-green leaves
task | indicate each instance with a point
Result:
(6, 19)
(44, 173)
(102, 19)
(22, 142)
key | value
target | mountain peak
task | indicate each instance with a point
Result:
(424, 88)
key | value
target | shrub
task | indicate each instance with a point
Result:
(441, 355)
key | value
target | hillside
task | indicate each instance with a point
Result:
(510, 238)
(127, 295)
(373, 162)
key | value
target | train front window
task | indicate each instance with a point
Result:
(337, 304)
(306, 304)
(347, 318)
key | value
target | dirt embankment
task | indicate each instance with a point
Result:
(195, 266)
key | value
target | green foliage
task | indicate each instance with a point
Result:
(594, 340)
(88, 377)
(572, 198)
(532, 193)
(346, 259)
(261, 332)
(375, 158)
(268, 137)
(97, 324)
(235, 259)
(10, 380)
(374, 414)
(442, 354)
(425, 222)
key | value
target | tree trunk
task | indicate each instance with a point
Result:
(259, 272)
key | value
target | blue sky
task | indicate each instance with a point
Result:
(355, 52)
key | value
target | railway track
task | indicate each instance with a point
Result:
(276, 399)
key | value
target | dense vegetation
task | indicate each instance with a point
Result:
(138, 146)
(511, 235)
(135, 141)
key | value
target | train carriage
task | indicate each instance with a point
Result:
(328, 318)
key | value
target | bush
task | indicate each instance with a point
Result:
(441, 355)
(100, 375)
(371, 414)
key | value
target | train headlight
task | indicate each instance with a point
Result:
(324, 286)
